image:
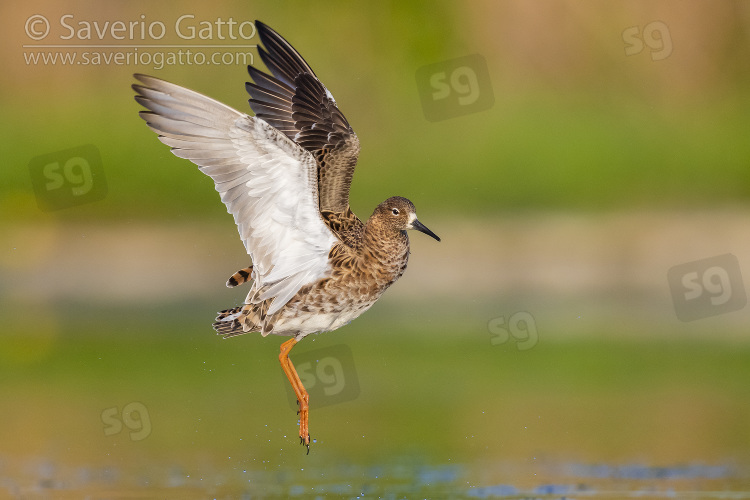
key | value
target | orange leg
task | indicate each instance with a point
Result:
(302, 397)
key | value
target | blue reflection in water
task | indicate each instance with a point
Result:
(693, 471)
(400, 479)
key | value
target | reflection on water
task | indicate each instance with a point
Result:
(403, 479)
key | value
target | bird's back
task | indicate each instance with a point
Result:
(347, 226)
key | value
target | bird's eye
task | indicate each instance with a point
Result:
(395, 211)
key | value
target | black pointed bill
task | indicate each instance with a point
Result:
(422, 228)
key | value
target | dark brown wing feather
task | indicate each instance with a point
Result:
(295, 102)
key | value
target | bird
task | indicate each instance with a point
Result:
(285, 175)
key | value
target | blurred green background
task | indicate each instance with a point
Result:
(615, 147)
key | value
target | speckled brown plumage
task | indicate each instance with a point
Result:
(374, 257)
(285, 175)
(347, 226)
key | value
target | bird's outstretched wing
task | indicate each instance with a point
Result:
(297, 104)
(267, 182)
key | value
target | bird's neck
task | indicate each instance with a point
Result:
(387, 249)
(383, 238)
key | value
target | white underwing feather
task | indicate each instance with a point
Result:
(267, 182)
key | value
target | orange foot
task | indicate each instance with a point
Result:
(304, 410)
(303, 397)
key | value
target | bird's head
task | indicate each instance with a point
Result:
(398, 213)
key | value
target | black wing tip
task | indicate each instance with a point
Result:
(255, 73)
(264, 29)
(266, 33)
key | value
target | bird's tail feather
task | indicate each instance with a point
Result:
(244, 319)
